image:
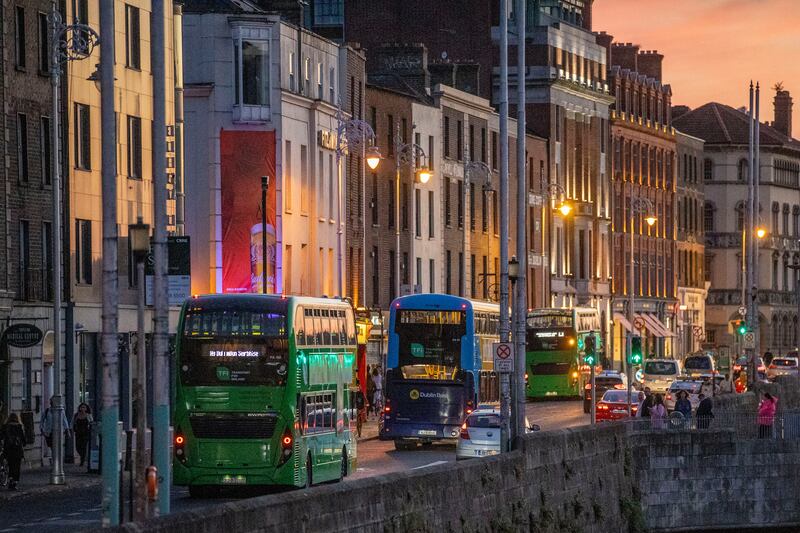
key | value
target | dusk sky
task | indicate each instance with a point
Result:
(712, 48)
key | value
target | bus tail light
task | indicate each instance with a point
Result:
(180, 442)
(464, 431)
(287, 440)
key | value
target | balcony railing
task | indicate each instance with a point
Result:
(34, 285)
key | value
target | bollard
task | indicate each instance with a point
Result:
(152, 483)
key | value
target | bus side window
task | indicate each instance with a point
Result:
(299, 327)
(351, 327)
(317, 327)
(326, 327)
(334, 322)
(309, 327)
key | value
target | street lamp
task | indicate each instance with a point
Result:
(761, 233)
(405, 154)
(71, 42)
(565, 209)
(551, 193)
(352, 134)
(479, 173)
(639, 206)
(139, 238)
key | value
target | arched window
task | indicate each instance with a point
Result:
(743, 170)
(708, 216)
(785, 271)
(708, 169)
(775, 271)
(786, 328)
(740, 212)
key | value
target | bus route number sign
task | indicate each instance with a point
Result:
(503, 357)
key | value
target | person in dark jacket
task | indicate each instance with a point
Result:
(704, 412)
(13, 436)
(81, 426)
(684, 406)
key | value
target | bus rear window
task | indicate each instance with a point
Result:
(429, 342)
(234, 323)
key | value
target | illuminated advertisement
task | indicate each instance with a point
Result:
(246, 156)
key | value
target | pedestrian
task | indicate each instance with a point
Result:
(48, 422)
(370, 391)
(684, 406)
(705, 412)
(361, 408)
(377, 378)
(640, 406)
(644, 411)
(658, 413)
(13, 436)
(741, 382)
(81, 427)
(766, 415)
(725, 386)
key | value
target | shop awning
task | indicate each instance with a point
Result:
(619, 317)
(656, 326)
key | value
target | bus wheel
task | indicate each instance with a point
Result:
(309, 478)
(344, 464)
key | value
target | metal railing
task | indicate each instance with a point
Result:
(34, 284)
(745, 426)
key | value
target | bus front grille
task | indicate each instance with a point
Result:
(233, 426)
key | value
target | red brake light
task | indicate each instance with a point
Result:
(287, 439)
(464, 432)
(179, 440)
(602, 407)
(619, 386)
(773, 366)
(469, 411)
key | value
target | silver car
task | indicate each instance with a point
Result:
(782, 366)
(480, 434)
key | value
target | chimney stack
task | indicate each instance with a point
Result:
(650, 64)
(783, 112)
(624, 56)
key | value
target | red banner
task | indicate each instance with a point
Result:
(246, 157)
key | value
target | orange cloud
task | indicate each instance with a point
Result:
(713, 48)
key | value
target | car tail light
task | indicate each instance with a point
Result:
(669, 396)
(619, 386)
(180, 442)
(602, 407)
(464, 432)
(773, 366)
(287, 440)
(588, 386)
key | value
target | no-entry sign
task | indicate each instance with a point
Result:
(503, 357)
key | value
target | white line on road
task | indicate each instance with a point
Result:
(75, 514)
(8, 529)
(430, 464)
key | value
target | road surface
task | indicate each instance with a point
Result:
(77, 509)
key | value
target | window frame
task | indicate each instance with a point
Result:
(133, 37)
(20, 38)
(135, 170)
(82, 136)
(23, 153)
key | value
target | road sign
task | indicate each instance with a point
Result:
(742, 311)
(503, 357)
(749, 340)
(698, 331)
(638, 323)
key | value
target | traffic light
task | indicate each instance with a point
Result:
(589, 356)
(741, 327)
(636, 351)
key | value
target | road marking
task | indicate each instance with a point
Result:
(430, 464)
(54, 519)
(75, 514)
(8, 529)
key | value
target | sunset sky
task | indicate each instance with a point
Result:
(713, 48)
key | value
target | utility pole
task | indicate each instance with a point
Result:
(110, 404)
(756, 220)
(748, 235)
(505, 400)
(264, 258)
(161, 374)
(521, 297)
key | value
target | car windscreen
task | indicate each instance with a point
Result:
(697, 363)
(481, 420)
(429, 342)
(616, 396)
(660, 368)
(784, 362)
(689, 386)
(234, 346)
(607, 382)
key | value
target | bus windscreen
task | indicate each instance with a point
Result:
(234, 347)
(429, 342)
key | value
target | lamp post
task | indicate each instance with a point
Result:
(264, 258)
(351, 134)
(513, 276)
(552, 192)
(139, 237)
(70, 42)
(405, 154)
(472, 170)
(639, 206)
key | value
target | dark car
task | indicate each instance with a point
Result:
(605, 380)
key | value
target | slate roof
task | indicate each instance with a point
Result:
(721, 124)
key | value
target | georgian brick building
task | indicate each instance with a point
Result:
(643, 167)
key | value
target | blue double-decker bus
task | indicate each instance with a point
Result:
(439, 366)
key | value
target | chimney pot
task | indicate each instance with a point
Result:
(783, 112)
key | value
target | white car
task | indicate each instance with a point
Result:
(783, 366)
(480, 434)
(659, 374)
(691, 387)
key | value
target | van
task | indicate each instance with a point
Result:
(660, 373)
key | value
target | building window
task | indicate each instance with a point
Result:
(391, 211)
(376, 285)
(19, 52)
(24, 260)
(483, 145)
(460, 200)
(432, 275)
(708, 170)
(83, 143)
(431, 225)
(307, 76)
(740, 212)
(460, 273)
(495, 211)
(446, 133)
(459, 140)
(83, 251)
(373, 204)
(133, 51)
(392, 276)
(485, 280)
(44, 41)
(742, 172)
(135, 148)
(47, 258)
(431, 152)
(472, 206)
(448, 272)
(47, 150)
(472, 276)
(22, 147)
(404, 205)
(495, 154)
(417, 212)
(785, 227)
(251, 72)
(418, 274)
(82, 17)
(332, 86)
(447, 202)
(320, 81)
(304, 179)
(472, 154)
(405, 268)
(484, 213)
(390, 133)
(291, 71)
(287, 176)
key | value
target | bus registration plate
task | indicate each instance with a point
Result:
(431, 432)
(234, 480)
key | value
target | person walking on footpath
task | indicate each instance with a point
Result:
(766, 415)
(370, 390)
(81, 427)
(684, 407)
(377, 378)
(361, 408)
(47, 425)
(705, 412)
(13, 436)
(658, 413)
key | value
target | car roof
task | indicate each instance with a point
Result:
(660, 361)
(614, 373)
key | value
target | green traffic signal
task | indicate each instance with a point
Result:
(636, 351)
(742, 328)
(589, 359)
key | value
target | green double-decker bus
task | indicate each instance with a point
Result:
(263, 392)
(554, 349)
